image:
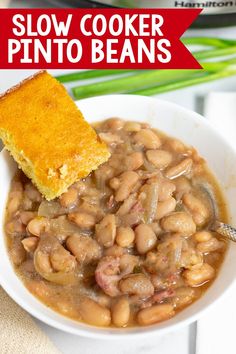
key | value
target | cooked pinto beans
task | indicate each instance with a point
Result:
(106, 231)
(134, 161)
(148, 139)
(159, 158)
(126, 183)
(120, 312)
(30, 243)
(210, 246)
(83, 220)
(202, 236)
(136, 284)
(199, 276)
(179, 222)
(197, 208)
(154, 314)
(84, 248)
(165, 191)
(27, 216)
(182, 185)
(145, 238)
(93, 313)
(125, 236)
(182, 168)
(165, 208)
(127, 245)
(69, 198)
(37, 226)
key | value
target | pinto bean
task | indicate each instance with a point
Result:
(145, 238)
(114, 183)
(183, 186)
(165, 190)
(68, 308)
(182, 168)
(93, 313)
(128, 262)
(131, 219)
(134, 161)
(84, 248)
(43, 262)
(120, 312)
(210, 246)
(132, 127)
(159, 158)
(69, 198)
(62, 260)
(38, 225)
(106, 231)
(30, 243)
(40, 289)
(136, 284)
(15, 227)
(154, 314)
(199, 211)
(176, 145)
(200, 275)
(125, 236)
(166, 207)
(148, 139)
(127, 205)
(17, 252)
(27, 216)
(179, 222)
(32, 193)
(83, 220)
(110, 138)
(184, 296)
(103, 299)
(92, 209)
(127, 182)
(15, 199)
(202, 236)
(114, 124)
(114, 251)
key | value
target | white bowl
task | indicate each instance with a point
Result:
(176, 121)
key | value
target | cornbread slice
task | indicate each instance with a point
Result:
(47, 135)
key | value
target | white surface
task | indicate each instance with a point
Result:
(220, 109)
(183, 341)
(212, 335)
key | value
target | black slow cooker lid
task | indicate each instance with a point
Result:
(78, 3)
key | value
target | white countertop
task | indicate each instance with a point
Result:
(182, 341)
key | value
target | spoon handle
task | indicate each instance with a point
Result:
(225, 230)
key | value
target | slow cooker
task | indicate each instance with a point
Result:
(216, 13)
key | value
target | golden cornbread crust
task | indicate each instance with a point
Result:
(47, 135)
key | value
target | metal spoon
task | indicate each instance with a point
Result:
(221, 228)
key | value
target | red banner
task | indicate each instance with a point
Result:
(95, 38)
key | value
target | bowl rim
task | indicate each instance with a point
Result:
(109, 333)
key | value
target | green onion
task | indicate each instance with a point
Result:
(214, 53)
(150, 82)
(144, 79)
(207, 41)
(90, 74)
(218, 43)
(124, 84)
(185, 83)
